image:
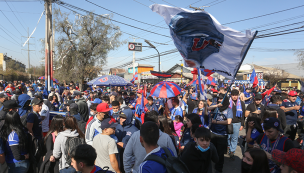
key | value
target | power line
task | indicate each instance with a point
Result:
(141, 3)
(15, 15)
(10, 22)
(264, 15)
(281, 26)
(168, 3)
(20, 12)
(9, 49)
(8, 34)
(124, 15)
(278, 32)
(9, 40)
(217, 3)
(268, 35)
(80, 9)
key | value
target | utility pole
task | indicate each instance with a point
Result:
(48, 44)
(134, 39)
(28, 49)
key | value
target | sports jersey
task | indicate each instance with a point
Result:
(291, 116)
(221, 116)
(13, 139)
(176, 111)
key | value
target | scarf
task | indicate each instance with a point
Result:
(239, 110)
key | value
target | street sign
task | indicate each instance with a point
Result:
(133, 46)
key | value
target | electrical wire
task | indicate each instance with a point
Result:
(168, 3)
(19, 12)
(264, 15)
(9, 40)
(273, 50)
(8, 34)
(124, 15)
(278, 32)
(15, 16)
(10, 22)
(268, 35)
(9, 49)
(217, 3)
(280, 26)
(63, 4)
(141, 3)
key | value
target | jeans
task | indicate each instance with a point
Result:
(20, 167)
(68, 170)
(290, 131)
(233, 138)
(220, 143)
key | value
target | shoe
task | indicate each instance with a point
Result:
(231, 155)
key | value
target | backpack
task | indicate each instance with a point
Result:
(172, 163)
(23, 119)
(70, 144)
(82, 125)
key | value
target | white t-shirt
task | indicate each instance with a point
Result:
(45, 112)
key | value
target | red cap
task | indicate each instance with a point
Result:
(292, 93)
(140, 91)
(292, 158)
(214, 90)
(103, 107)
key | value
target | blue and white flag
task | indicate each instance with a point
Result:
(203, 41)
(202, 86)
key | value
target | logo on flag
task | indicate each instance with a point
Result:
(103, 79)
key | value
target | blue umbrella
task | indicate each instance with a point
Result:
(110, 80)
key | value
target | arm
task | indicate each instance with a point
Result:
(171, 145)
(243, 115)
(2, 158)
(16, 152)
(49, 143)
(114, 163)
(57, 148)
(214, 155)
(226, 122)
(30, 122)
(248, 135)
(89, 135)
(185, 97)
(247, 113)
(30, 128)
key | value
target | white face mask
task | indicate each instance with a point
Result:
(92, 113)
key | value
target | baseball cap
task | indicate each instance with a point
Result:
(73, 106)
(69, 102)
(103, 107)
(9, 104)
(209, 96)
(258, 96)
(140, 91)
(36, 101)
(76, 93)
(122, 115)
(292, 93)
(3, 95)
(291, 158)
(108, 123)
(273, 123)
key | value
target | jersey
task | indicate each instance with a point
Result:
(176, 111)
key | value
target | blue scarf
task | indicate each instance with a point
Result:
(239, 110)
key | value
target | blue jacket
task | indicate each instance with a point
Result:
(125, 131)
(22, 99)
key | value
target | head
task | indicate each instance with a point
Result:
(37, 104)
(105, 99)
(149, 134)
(56, 125)
(276, 99)
(290, 161)
(150, 100)
(70, 122)
(122, 119)
(234, 94)
(152, 116)
(292, 96)
(193, 119)
(179, 118)
(102, 111)
(255, 160)
(108, 126)
(93, 107)
(115, 106)
(270, 113)
(164, 125)
(175, 102)
(272, 128)
(258, 99)
(202, 137)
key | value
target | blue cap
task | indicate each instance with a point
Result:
(108, 123)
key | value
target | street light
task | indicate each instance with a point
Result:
(152, 46)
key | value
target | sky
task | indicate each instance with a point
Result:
(27, 12)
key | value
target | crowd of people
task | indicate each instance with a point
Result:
(102, 129)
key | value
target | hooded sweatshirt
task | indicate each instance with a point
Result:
(22, 99)
(83, 108)
(59, 146)
(281, 114)
(135, 153)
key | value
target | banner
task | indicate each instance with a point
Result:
(203, 42)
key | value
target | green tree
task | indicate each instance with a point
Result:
(82, 45)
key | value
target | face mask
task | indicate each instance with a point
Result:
(201, 109)
(202, 149)
(246, 166)
(92, 113)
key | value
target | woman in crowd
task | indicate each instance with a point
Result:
(202, 111)
(70, 130)
(55, 128)
(255, 160)
(17, 145)
(174, 134)
(253, 131)
(186, 137)
(55, 103)
(165, 127)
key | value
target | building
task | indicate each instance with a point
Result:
(139, 68)
(4, 60)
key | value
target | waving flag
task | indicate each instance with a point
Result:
(142, 108)
(202, 88)
(211, 81)
(208, 72)
(135, 76)
(254, 79)
(160, 74)
(203, 42)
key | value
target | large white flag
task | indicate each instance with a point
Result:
(203, 41)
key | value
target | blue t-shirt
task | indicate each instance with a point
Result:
(13, 139)
(254, 135)
(36, 120)
(221, 116)
(291, 116)
(176, 111)
(151, 107)
(158, 102)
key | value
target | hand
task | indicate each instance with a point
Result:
(300, 116)
(251, 124)
(241, 128)
(52, 159)
(213, 121)
(27, 156)
(219, 105)
(297, 108)
(120, 144)
(256, 145)
(258, 111)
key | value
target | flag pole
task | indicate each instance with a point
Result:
(243, 58)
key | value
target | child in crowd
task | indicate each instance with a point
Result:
(178, 124)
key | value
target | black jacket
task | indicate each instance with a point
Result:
(238, 119)
(47, 166)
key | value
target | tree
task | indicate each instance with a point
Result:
(83, 45)
(274, 76)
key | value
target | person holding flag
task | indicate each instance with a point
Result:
(254, 79)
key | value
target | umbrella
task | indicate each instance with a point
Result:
(110, 80)
(165, 90)
(43, 78)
